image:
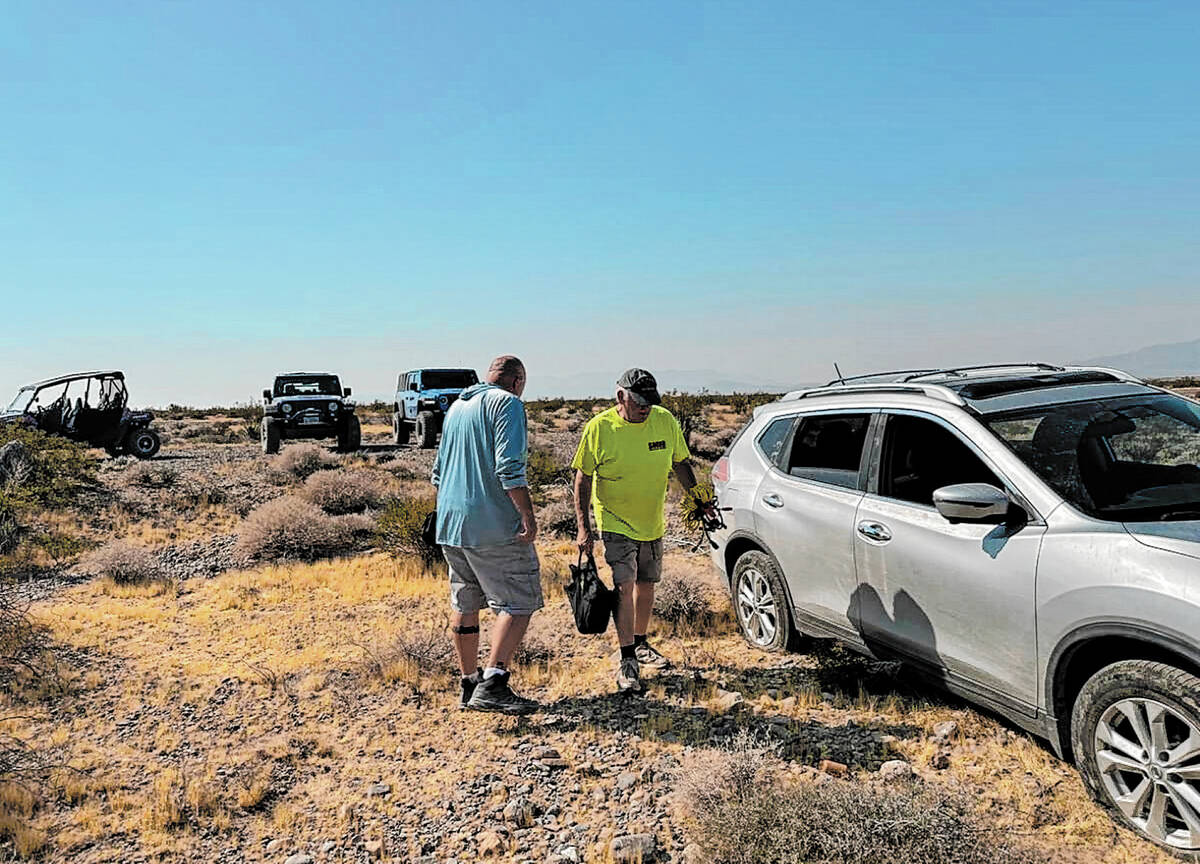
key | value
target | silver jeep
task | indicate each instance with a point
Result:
(1029, 535)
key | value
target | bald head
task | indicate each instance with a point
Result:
(507, 371)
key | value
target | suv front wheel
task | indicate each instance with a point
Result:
(761, 603)
(270, 436)
(1135, 733)
(400, 429)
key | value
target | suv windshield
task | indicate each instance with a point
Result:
(1129, 459)
(447, 379)
(308, 385)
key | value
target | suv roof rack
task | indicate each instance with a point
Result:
(935, 391)
(903, 376)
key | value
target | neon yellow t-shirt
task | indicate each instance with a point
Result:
(630, 464)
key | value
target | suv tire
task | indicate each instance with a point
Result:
(350, 435)
(760, 602)
(426, 430)
(270, 436)
(1126, 718)
(144, 443)
(401, 431)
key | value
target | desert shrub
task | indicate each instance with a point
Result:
(711, 445)
(682, 597)
(345, 490)
(302, 460)
(414, 656)
(398, 530)
(61, 547)
(43, 470)
(21, 644)
(745, 403)
(688, 409)
(556, 516)
(740, 810)
(10, 528)
(123, 563)
(290, 528)
(151, 475)
(544, 469)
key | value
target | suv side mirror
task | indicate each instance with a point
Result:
(267, 395)
(972, 502)
(345, 391)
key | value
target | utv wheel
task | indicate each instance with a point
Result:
(761, 603)
(400, 430)
(1135, 733)
(426, 430)
(350, 435)
(270, 437)
(143, 443)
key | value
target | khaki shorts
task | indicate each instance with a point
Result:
(632, 559)
(505, 578)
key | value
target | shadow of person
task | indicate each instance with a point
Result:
(905, 634)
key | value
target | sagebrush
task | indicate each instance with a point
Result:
(291, 528)
(399, 528)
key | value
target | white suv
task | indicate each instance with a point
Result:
(1029, 535)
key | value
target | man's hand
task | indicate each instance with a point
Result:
(529, 528)
(586, 540)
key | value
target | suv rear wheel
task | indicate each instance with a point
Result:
(761, 603)
(426, 430)
(350, 435)
(143, 443)
(1135, 732)
(400, 430)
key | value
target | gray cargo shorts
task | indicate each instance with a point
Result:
(632, 559)
(506, 578)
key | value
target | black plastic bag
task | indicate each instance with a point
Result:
(592, 602)
(429, 536)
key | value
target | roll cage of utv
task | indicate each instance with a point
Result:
(89, 407)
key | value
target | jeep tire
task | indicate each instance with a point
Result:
(401, 431)
(350, 435)
(270, 436)
(143, 443)
(760, 603)
(1131, 724)
(426, 430)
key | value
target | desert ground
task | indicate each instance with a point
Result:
(222, 656)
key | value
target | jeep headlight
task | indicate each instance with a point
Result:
(333, 407)
(285, 408)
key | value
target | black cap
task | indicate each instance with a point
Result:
(641, 383)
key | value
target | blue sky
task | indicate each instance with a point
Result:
(205, 193)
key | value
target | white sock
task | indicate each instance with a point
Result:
(492, 672)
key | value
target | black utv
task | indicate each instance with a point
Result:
(90, 407)
(309, 405)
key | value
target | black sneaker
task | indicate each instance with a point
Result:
(648, 656)
(494, 694)
(469, 683)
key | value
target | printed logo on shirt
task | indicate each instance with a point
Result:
(658, 445)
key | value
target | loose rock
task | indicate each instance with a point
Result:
(896, 771)
(632, 848)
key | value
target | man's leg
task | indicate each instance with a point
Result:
(621, 554)
(626, 617)
(649, 572)
(643, 607)
(464, 628)
(507, 634)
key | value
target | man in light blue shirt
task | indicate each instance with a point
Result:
(486, 528)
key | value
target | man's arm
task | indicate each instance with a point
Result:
(519, 495)
(585, 539)
(510, 457)
(686, 474)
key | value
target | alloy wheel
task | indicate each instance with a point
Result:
(756, 607)
(1148, 756)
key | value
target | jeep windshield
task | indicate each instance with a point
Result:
(308, 385)
(448, 379)
(1129, 459)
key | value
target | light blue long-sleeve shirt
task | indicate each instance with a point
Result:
(481, 456)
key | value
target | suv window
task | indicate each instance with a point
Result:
(770, 442)
(447, 379)
(828, 448)
(921, 455)
(308, 385)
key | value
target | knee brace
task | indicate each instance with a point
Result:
(465, 631)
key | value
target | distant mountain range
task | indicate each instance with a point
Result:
(1156, 361)
(588, 384)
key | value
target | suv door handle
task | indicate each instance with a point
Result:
(773, 501)
(874, 531)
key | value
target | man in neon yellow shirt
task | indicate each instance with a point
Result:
(624, 460)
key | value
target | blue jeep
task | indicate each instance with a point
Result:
(422, 398)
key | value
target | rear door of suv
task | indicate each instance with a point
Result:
(804, 509)
(957, 598)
